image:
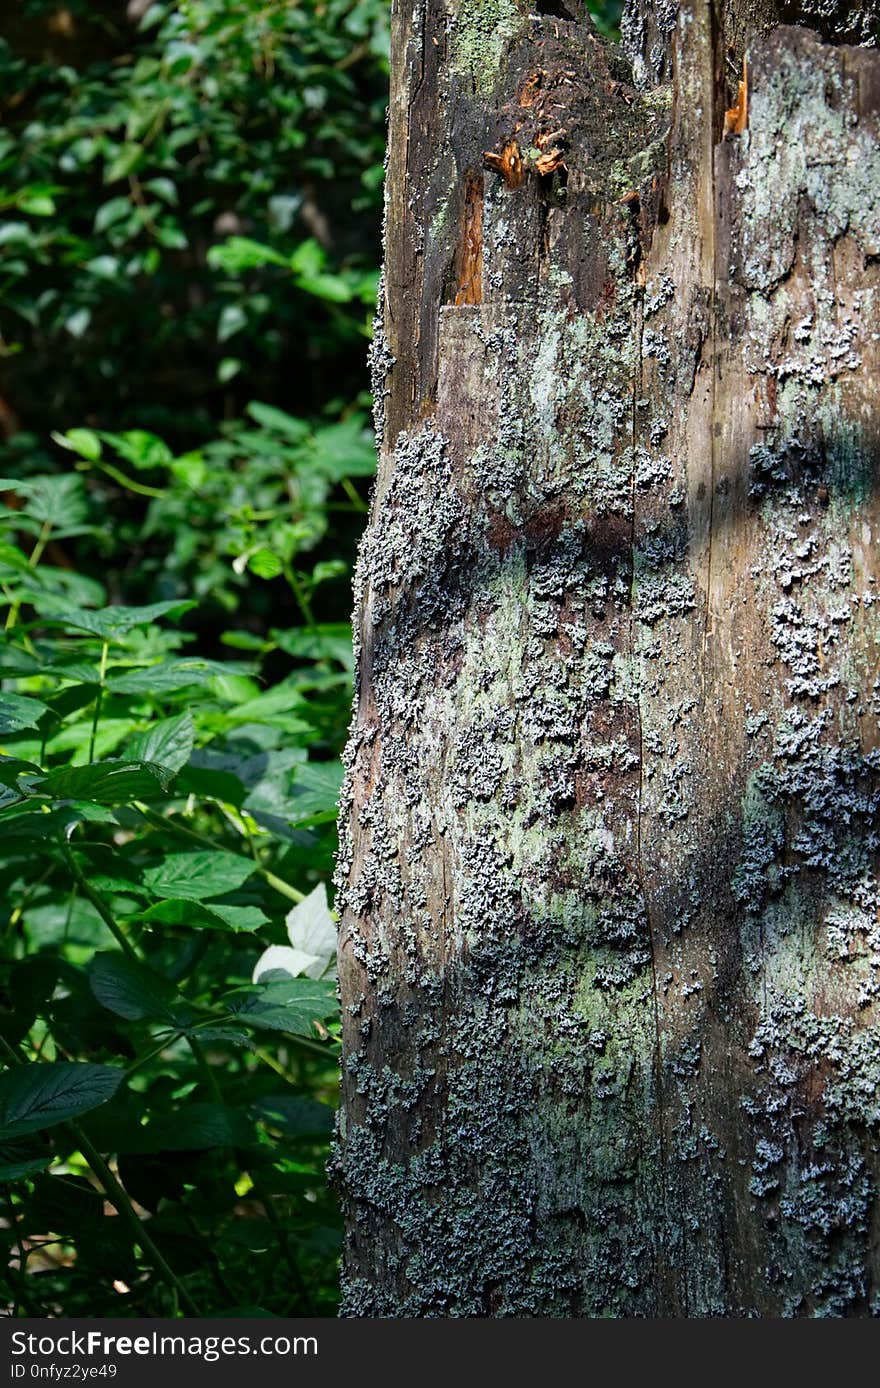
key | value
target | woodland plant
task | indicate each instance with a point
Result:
(167, 821)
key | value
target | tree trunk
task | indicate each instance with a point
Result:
(610, 954)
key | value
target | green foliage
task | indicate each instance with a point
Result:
(255, 501)
(606, 16)
(160, 817)
(184, 197)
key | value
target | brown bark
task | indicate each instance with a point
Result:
(609, 954)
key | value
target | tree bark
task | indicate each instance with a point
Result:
(609, 951)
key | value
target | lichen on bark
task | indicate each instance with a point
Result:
(609, 953)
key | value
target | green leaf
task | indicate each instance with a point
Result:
(328, 641)
(164, 188)
(190, 469)
(17, 1170)
(123, 163)
(111, 212)
(128, 988)
(40, 1095)
(82, 442)
(165, 677)
(265, 564)
(197, 1127)
(77, 324)
(106, 783)
(237, 917)
(168, 743)
(105, 267)
(270, 417)
(344, 450)
(37, 204)
(241, 253)
(228, 369)
(17, 712)
(11, 768)
(195, 914)
(210, 784)
(292, 1005)
(58, 501)
(140, 448)
(232, 319)
(198, 876)
(79, 810)
(111, 623)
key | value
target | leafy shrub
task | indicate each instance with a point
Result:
(188, 205)
(168, 822)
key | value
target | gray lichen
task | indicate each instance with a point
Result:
(610, 826)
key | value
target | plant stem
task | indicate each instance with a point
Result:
(209, 1077)
(150, 1055)
(99, 699)
(140, 488)
(36, 553)
(349, 488)
(102, 909)
(284, 1244)
(119, 1198)
(34, 558)
(302, 601)
(284, 888)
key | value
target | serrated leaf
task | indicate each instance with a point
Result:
(265, 563)
(166, 677)
(18, 712)
(111, 623)
(53, 499)
(39, 1095)
(129, 988)
(141, 448)
(292, 1005)
(198, 876)
(168, 743)
(211, 916)
(106, 783)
